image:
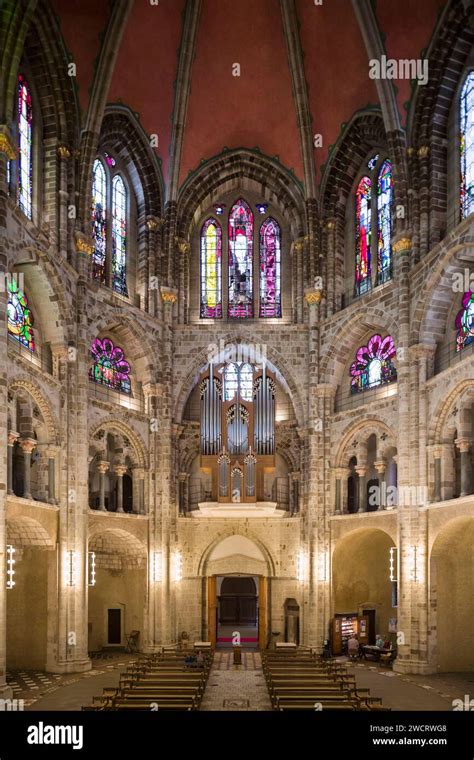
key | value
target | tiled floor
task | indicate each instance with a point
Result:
(236, 687)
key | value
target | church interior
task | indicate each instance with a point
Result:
(237, 354)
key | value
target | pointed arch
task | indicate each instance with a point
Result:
(211, 269)
(466, 106)
(384, 221)
(240, 274)
(99, 219)
(119, 235)
(363, 264)
(270, 268)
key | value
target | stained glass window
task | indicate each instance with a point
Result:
(211, 270)
(467, 146)
(465, 321)
(384, 220)
(270, 263)
(99, 220)
(231, 381)
(119, 235)
(373, 365)
(20, 319)
(238, 381)
(240, 260)
(25, 152)
(109, 367)
(363, 235)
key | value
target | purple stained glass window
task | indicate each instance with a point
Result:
(465, 322)
(20, 318)
(25, 152)
(467, 146)
(363, 235)
(270, 269)
(109, 367)
(119, 235)
(384, 219)
(99, 220)
(373, 365)
(211, 270)
(240, 261)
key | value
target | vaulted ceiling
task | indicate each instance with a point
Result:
(257, 108)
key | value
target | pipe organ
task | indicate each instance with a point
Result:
(237, 429)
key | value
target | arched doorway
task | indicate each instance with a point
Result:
(237, 610)
(451, 599)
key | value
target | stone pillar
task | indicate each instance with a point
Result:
(437, 451)
(51, 453)
(464, 446)
(139, 508)
(27, 445)
(12, 438)
(381, 466)
(339, 475)
(120, 471)
(102, 468)
(63, 196)
(362, 473)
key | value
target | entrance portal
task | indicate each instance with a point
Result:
(237, 611)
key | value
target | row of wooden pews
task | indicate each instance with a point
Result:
(165, 681)
(301, 680)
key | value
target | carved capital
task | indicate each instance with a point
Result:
(12, 437)
(182, 245)
(153, 223)
(27, 444)
(84, 244)
(64, 153)
(463, 444)
(169, 295)
(312, 296)
(423, 152)
(402, 244)
(6, 143)
(102, 466)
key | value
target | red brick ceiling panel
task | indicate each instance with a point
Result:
(82, 22)
(146, 66)
(336, 68)
(407, 26)
(255, 109)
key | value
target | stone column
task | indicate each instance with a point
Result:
(381, 466)
(464, 446)
(139, 474)
(12, 438)
(102, 468)
(27, 445)
(362, 473)
(120, 471)
(339, 475)
(64, 155)
(437, 451)
(51, 453)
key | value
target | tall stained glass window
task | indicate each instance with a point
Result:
(384, 219)
(373, 365)
(99, 220)
(363, 235)
(240, 261)
(465, 322)
(119, 235)
(25, 150)
(467, 145)
(270, 264)
(109, 367)
(20, 318)
(211, 270)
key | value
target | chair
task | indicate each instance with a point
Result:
(132, 641)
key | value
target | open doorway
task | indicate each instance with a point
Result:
(237, 610)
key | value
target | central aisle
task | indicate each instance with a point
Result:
(236, 687)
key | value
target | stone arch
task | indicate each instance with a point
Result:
(440, 422)
(241, 168)
(368, 427)
(138, 446)
(43, 405)
(115, 541)
(24, 531)
(275, 361)
(228, 533)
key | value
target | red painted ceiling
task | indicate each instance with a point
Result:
(81, 23)
(256, 108)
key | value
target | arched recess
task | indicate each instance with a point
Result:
(136, 441)
(451, 602)
(360, 577)
(30, 598)
(199, 361)
(47, 413)
(364, 429)
(428, 121)
(117, 599)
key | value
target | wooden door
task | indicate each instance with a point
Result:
(262, 612)
(114, 626)
(212, 609)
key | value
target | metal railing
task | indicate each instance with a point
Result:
(448, 356)
(102, 393)
(351, 400)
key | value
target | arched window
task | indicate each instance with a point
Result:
(270, 262)
(25, 148)
(119, 235)
(20, 318)
(110, 222)
(363, 235)
(99, 219)
(211, 270)
(465, 322)
(467, 145)
(238, 381)
(384, 220)
(240, 261)
(109, 367)
(373, 365)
